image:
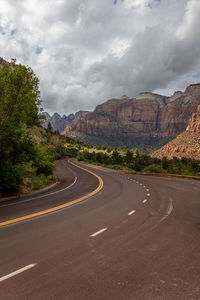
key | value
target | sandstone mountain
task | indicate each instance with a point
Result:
(187, 144)
(59, 123)
(147, 121)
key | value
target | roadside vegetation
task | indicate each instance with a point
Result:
(139, 161)
(27, 151)
(22, 161)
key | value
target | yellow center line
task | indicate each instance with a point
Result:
(53, 209)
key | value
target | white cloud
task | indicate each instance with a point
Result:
(118, 47)
(86, 51)
(191, 21)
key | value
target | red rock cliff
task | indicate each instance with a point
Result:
(146, 117)
(187, 144)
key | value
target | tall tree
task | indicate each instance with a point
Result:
(19, 103)
(19, 96)
(19, 108)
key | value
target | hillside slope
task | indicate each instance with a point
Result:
(187, 144)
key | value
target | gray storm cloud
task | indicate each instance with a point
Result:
(85, 52)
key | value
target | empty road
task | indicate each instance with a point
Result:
(102, 234)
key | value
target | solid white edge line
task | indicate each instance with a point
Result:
(98, 232)
(144, 201)
(42, 196)
(17, 272)
(131, 212)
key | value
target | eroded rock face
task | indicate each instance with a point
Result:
(194, 124)
(187, 144)
(149, 118)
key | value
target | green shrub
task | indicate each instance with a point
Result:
(116, 158)
(187, 172)
(39, 181)
(128, 157)
(11, 176)
(154, 169)
(116, 167)
(165, 163)
(137, 164)
(44, 163)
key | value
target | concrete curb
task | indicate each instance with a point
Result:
(30, 194)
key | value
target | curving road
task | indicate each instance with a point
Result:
(130, 237)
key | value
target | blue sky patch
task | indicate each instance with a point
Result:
(13, 32)
(39, 50)
(196, 76)
(115, 1)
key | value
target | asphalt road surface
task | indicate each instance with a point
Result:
(119, 236)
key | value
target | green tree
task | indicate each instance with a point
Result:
(116, 157)
(165, 163)
(44, 163)
(129, 156)
(19, 96)
(50, 127)
(19, 105)
(100, 157)
(19, 108)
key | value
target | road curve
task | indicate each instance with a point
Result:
(53, 193)
(136, 238)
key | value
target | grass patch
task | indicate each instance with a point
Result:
(154, 169)
(39, 181)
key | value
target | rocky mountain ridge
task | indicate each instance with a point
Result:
(147, 121)
(59, 123)
(187, 144)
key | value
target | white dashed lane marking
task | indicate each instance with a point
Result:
(131, 212)
(98, 232)
(17, 272)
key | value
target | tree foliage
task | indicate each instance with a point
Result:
(19, 109)
(19, 96)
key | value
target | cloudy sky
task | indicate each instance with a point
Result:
(86, 51)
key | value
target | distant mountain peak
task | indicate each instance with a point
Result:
(57, 122)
